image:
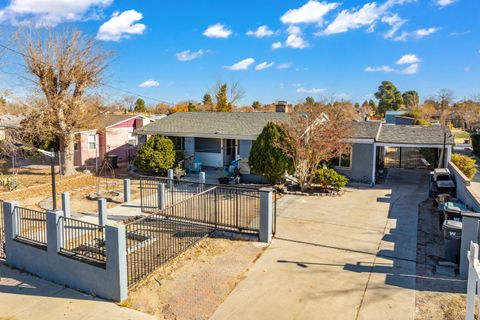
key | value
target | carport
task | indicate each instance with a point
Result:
(412, 147)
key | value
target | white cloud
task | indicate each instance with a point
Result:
(395, 23)
(261, 32)
(351, 19)
(284, 66)
(379, 69)
(408, 59)
(188, 55)
(311, 12)
(411, 69)
(296, 41)
(121, 26)
(264, 65)
(50, 13)
(217, 31)
(149, 84)
(293, 29)
(420, 33)
(276, 45)
(241, 65)
(444, 3)
(311, 90)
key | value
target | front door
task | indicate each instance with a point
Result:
(229, 151)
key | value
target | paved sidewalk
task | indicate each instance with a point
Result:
(23, 296)
(349, 257)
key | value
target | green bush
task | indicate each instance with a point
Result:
(466, 164)
(266, 159)
(330, 178)
(475, 143)
(157, 155)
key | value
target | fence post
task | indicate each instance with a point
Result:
(10, 220)
(469, 233)
(472, 281)
(116, 254)
(54, 231)
(102, 212)
(266, 212)
(170, 178)
(201, 177)
(126, 190)
(161, 196)
(66, 204)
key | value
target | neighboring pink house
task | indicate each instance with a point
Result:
(114, 137)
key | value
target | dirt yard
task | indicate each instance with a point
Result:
(195, 283)
(438, 296)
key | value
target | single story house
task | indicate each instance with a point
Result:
(217, 138)
(114, 136)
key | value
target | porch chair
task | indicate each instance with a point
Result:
(195, 166)
(231, 170)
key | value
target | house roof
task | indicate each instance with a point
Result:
(366, 129)
(413, 134)
(109, 120)
(213, 124)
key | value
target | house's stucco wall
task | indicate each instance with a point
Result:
(83, 156)
(362, 163)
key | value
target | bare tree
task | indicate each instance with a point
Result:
(314, 136)
(235, 92)
(64, 67)
(443, 100)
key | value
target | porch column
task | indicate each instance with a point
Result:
(374, 166)
(449, 155)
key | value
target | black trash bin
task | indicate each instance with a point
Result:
(113, 160)
(446, 186)
(452, 239)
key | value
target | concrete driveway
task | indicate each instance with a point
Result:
(349, 257)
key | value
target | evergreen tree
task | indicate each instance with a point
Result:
(157, 155)
(140, 106)
(222, 100)
(389, 98)
(309, 101)
(265, 158)
(256, 105)
(411, 99)
(207, 99)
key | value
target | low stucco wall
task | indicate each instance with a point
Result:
(465, 191)
(109, 282)
(362, 163)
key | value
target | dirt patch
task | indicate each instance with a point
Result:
(195, 283)
(437, 296)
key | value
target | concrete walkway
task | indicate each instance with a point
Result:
(23, 296)
(349, 257)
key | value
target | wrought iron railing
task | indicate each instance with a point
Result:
(31, 226)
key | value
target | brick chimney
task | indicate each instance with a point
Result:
(281, 106)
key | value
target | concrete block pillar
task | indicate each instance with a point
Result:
(266, 214)
(54, 231)
(102, 212)
(201, 177)
(116, 252)
(161, 196)
(126, 190)
(10, 221)
(170, 178)
(66, 204)
(470, 228)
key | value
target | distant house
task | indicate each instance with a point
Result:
(391, 115)
(9, 122)
(114, 136)
(216, 138)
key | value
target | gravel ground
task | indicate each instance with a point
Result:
(437, 296)
(195, 283)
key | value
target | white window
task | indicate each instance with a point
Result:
(92, 142)
(132, 139)
(345, 160)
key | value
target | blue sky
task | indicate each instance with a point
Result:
(317, 48)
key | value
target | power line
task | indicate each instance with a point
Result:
(104, 84)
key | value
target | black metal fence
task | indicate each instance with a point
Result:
(237, 208)
(2, 233)
(32, 226)
(155, 239)
(82, 240)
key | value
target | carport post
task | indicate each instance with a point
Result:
(266, 214)
(161, 196)
(126, 190)
(102, 212)
(66, 204)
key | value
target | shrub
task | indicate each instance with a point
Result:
(475, 143)
(265, 158)
(157, 155)
(466, 164)
(330, 178)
